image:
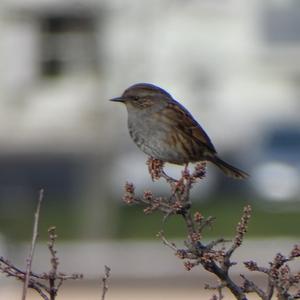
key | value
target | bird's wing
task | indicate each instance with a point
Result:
(184, 121)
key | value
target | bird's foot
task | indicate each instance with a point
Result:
(155, 168)
(156, 171)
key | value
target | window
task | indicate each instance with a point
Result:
(68, 44)
(281, 22)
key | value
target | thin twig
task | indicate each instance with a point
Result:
(46, 284)
(218, 288)
(54, 263)
(250, 287)
(166, 242)
(104, 282)
(33, 244)
(241, 230)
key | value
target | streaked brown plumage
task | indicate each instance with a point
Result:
(163, 129)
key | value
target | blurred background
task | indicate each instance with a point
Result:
(234, 64)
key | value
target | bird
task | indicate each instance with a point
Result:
(165, 130)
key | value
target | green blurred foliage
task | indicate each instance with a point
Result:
(227, 211)
(130, 222)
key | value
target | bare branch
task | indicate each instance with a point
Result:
(179, 203)
(241, 230)
(213, 256)
(218, 288)
(46, 284)
(54, 264)
(33, 244)
(104, 282)
(250, 287)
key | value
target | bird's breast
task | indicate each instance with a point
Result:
(145, 130)
(153, 138)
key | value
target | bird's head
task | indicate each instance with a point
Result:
(143, 95)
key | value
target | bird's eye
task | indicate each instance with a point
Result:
(136, 98)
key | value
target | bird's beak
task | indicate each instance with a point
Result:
(118, 99)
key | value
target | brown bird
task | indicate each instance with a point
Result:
(163, 129)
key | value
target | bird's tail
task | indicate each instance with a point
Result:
(228, 169)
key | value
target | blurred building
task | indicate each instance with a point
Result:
(233, 63)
